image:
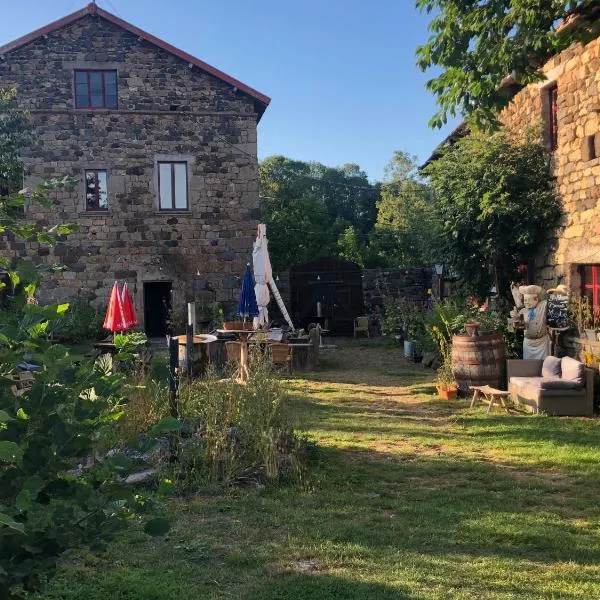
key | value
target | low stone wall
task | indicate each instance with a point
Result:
(405, 283)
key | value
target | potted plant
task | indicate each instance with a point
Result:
(583, 317)
(445, 383)
(237, 326)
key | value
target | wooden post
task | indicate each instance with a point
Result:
(189, 350)
(173, 376)
(190, 332)
(192, 315)
(173, 387)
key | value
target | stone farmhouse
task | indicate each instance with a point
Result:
(163, 148)
(567, 103)
(566, 109)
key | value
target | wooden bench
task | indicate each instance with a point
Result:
(490, 396)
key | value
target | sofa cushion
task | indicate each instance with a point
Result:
(543, 383)
(572, 370)
(556, 383)
(551, 367)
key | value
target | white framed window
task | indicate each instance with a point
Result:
(172, 186)
(96, 190)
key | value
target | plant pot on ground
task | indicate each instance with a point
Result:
(447, 391)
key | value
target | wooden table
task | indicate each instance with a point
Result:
(243, 336)
(490, 395)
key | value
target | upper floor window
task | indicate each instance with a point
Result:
(95, 89)
(590, 285)
(172, 185)
(551, 115)
(96, 191)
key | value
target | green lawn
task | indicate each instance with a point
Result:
(412, 497)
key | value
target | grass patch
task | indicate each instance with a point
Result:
(409, 497)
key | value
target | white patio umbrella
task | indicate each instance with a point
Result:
(263, 274)
(263, 277)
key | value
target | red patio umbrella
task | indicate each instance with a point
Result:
(129, 316)
(114, 321)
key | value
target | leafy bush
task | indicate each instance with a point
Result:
(50, 422)
(82, 322)
(495, 201)
(451, 315)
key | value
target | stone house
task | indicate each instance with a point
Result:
(567, 104)
(163, 149)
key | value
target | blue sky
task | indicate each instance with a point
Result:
(341, 73)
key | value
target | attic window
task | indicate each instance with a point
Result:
(95, 89)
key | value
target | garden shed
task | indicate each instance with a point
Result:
(328, 291)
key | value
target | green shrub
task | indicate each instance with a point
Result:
(82, 322)
(451, 315)
(51, 422)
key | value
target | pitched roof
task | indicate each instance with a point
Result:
(94, 10)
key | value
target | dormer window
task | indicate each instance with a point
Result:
(96, 89)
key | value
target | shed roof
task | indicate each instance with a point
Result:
(92, 9)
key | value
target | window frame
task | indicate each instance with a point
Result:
(593, 287)
(103, 73)
(173, 208)
(97, 190)
(552, 120)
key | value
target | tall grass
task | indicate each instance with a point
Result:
(242, 431)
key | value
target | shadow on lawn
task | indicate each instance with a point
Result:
(577, 432)
(318, 586)
(449, 505)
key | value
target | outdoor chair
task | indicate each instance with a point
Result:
(234, 352)
(281, 355)
(361, 325)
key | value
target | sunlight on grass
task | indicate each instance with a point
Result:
(409, 497)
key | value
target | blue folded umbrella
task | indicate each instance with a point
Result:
(247, 306)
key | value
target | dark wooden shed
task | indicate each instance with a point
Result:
(328, 291)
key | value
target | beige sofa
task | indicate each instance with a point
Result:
(551, 395)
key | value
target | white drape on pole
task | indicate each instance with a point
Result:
(263, 277)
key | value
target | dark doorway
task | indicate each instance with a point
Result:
(157, 305)
(328, 291)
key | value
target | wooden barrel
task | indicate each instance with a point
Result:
(479, 360)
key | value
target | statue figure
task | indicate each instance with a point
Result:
(532, 319)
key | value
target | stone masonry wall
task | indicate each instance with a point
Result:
(576, 72)
(167, 111)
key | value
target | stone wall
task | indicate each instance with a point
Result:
(576, 72)
(411, 284)
(167, 111)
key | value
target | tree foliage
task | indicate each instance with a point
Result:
(496, 202)
(477, 44)
(406, 231)
(308, 207)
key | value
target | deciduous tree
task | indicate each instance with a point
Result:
(496, 205)
(476, 45)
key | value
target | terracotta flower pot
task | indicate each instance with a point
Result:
(447, 392)
(472, 328)
(237, 325)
